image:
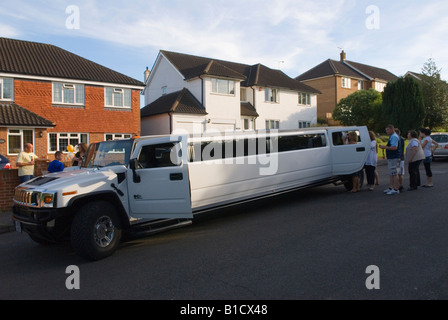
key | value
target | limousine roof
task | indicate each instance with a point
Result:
(253, 133)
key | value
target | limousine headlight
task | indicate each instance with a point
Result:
(47, 200)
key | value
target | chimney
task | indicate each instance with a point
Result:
(147, 73)
(343, 55)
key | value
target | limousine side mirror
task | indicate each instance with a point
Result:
(133, 166)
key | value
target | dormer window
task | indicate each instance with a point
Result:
(68, 93)
(118, 97)
(6, 89)
(223, 86)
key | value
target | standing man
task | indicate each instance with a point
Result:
(393, 160)
(56, 165)
(401, 148)
(25, 163)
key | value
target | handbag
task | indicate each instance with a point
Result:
(420, 155)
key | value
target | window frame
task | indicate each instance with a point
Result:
(269, 122)
(346, 83)
(229, 89)
(78, 89)
(116, 136)
(116, 90)
(69, 136)
(22, 141)
(2, 89)
(271, 95)
(304, 97)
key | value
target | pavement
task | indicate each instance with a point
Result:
(6, 223)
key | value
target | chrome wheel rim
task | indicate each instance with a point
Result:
(104, 231)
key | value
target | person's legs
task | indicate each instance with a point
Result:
(25, 178)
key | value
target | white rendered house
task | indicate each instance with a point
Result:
(200, 94)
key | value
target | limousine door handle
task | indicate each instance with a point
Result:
(176, 176)
(360, 149)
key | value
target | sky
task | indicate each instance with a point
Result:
(290, 35)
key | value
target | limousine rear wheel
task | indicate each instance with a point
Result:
(96, 231)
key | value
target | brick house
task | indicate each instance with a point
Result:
(338, 79)
(54, 98)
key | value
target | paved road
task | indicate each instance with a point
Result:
(310, 244)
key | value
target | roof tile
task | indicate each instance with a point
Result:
(40, 59)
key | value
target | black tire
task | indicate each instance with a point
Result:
(96, 231)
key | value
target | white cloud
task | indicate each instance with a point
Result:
(8, 31)
(301, 33)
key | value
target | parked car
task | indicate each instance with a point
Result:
(4, 163)
(442, 139)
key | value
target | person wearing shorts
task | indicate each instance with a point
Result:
(393, 161)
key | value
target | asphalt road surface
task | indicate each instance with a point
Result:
(320, 243)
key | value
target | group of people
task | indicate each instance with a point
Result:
(26, 160)
(417, 151)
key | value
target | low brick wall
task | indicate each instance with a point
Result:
(9, 179)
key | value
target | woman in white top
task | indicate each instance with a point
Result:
(414, 156)
(427, 143)
(371, 162)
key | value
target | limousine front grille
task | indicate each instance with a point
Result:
(26, 197)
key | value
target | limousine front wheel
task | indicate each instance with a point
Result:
(96, 231)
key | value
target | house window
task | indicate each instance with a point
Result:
(270, 95)
(6, 89)
(223, 86)
(60, 141)
(68, 93)
(304, 124)
(248, 124)
(164, 90)
(118, 97)
(17, 139)
(379, 86)
(360, 85)
(346, 83)
(243, 94)
(304, 98)
(272, 124)
(117, 136)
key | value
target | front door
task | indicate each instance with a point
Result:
(159, 185)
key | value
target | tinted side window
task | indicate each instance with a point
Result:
(159, 155)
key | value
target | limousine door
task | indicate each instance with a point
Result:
(348, 158)
(158, 180)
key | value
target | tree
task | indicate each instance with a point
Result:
(403, 104)
(359, 108)
(435, 96)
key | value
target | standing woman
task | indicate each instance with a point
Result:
(353, 139)
(371, 162)
(414, 156)
(79, 156)
(427, 143)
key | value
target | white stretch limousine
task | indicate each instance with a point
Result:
(157, 182)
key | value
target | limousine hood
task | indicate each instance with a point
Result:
(78, 179)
